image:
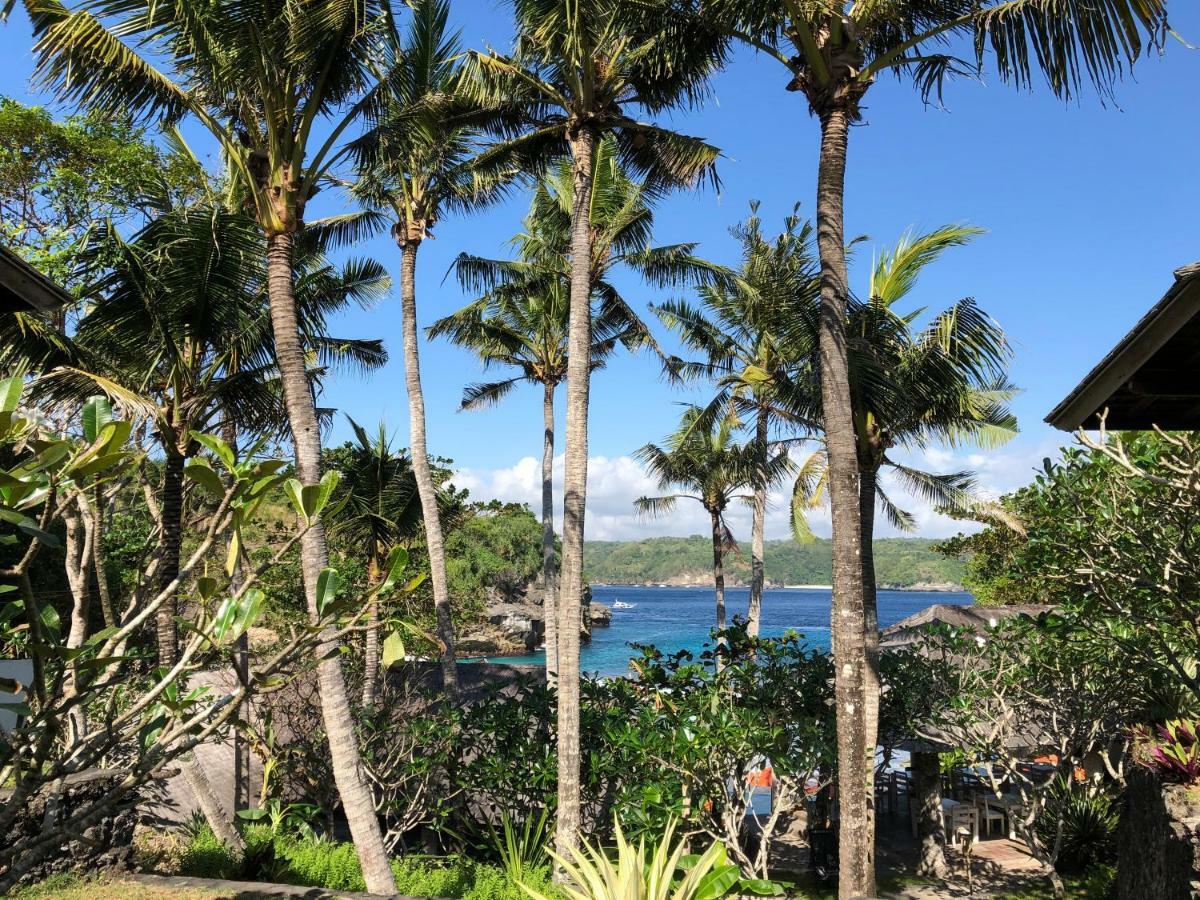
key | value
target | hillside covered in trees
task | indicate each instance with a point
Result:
(902, 562)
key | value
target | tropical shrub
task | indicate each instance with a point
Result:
(1110, 538)
(206, 856)
(691, 728)
(1171, 751)
(283, 857)
(55, 489)
(1081, 820)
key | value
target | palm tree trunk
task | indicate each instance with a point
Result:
(856, 842)
(757, 574)
(357, 801)
(866, 499)
(171, 508)
(171, 511)
(421, 471)
(371, 638)
(570, 595)
(211, 807)
(718, 544)
(549, 610)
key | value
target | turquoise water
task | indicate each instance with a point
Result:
(680, 618)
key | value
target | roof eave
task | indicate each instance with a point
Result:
(24, 288)
(1177, 307)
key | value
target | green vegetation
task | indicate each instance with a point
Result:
(200, 314)
(291, 859)
(60, 179)
(898, 561)
(495, 551)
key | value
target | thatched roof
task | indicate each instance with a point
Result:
(978, 618)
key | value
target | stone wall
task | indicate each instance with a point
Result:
(103, 845)
(1158, 840)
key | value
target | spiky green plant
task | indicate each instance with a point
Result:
(641, 873)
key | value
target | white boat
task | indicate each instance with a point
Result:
(621, 604)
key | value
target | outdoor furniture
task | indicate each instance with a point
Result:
(988, 815)
(1013, 810)
(955, 816)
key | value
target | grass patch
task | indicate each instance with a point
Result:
(77, 887)
(1094, 884)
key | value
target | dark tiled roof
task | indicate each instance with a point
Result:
(23, 288)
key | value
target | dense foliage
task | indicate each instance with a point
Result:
(665, 746)
(898, 561)
(494, 553)
(60, 179)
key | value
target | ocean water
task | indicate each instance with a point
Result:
(677, 618)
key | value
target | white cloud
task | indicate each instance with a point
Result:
(615, 482)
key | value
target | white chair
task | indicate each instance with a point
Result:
(988, 815)
(961, 816)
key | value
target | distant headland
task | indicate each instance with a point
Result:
(900, 564)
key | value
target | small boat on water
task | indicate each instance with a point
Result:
(621, 604)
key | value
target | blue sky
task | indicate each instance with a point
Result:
(1088, 209)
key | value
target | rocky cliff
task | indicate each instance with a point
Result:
(519, 628)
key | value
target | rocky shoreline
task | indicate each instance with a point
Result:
(518, 629)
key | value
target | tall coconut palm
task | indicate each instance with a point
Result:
(701, 461)
(417, 163)
(522, 322)
(583, 69)
(943, 383)
(382, 510)
(743, 329)
(258, 75)
(832, 53)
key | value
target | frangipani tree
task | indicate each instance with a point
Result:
(96, 704)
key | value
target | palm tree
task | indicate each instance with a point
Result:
(258, 75)
(580, 70)
(522, 321)
(178, 330)
(943, 384)
(832, 53)
(381, 511)
(702, 462)
(743, 330)
(417, 163)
